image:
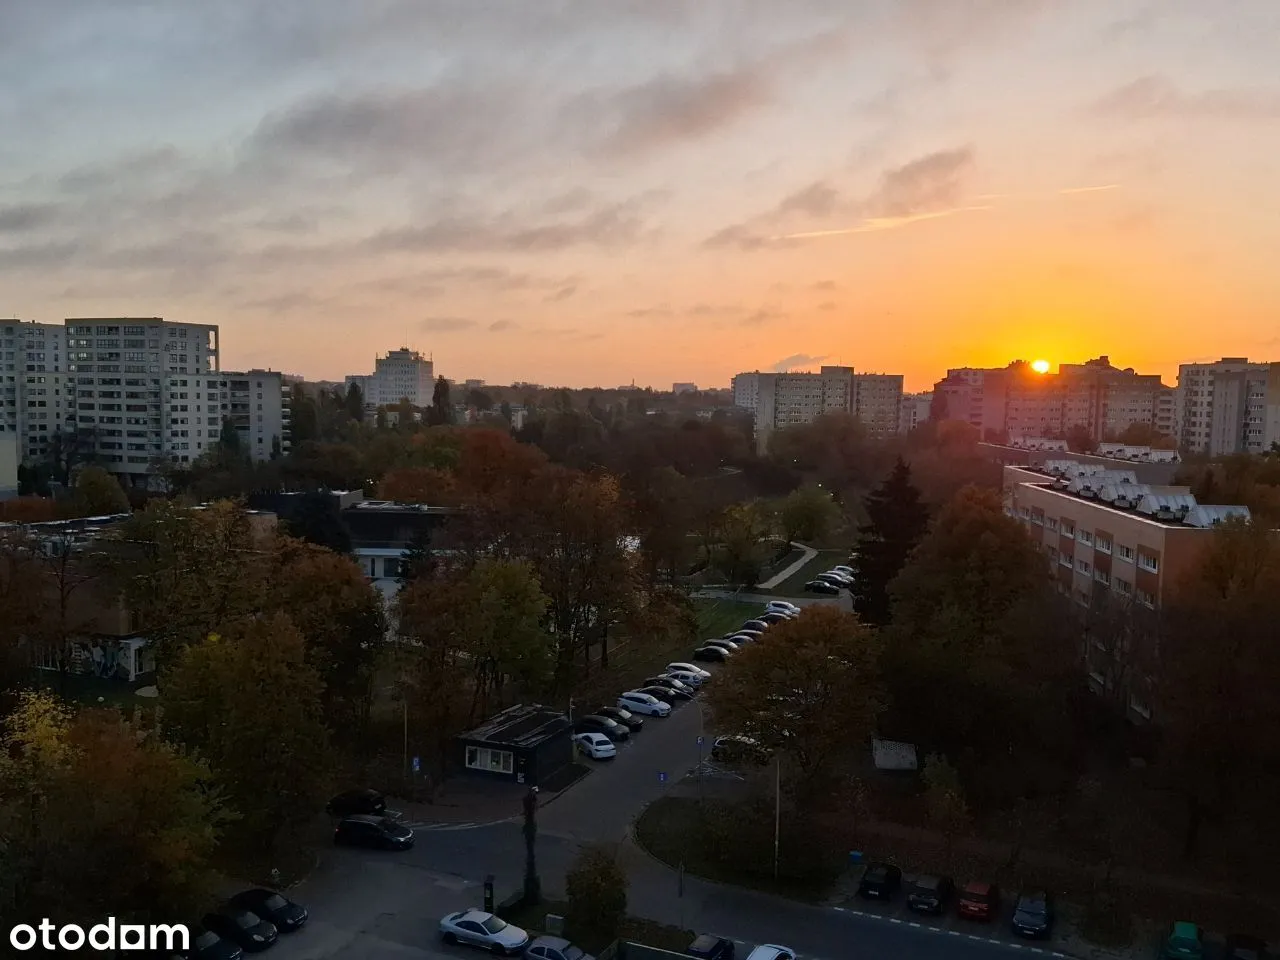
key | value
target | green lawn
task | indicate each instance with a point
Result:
(823, 561)
(718, 617)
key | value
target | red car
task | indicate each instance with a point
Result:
(978, 901)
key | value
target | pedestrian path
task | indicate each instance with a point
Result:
(777, 578)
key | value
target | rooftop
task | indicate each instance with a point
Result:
(393, 506)
(520, 726)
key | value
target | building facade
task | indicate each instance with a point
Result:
(402, 374)
(1231, 406)
(915, 410)
(257, 405)
(877, 402)
(746, 390)
(781, 400)
(34, 402)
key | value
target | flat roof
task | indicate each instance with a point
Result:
(1212, 513)
(523, 725)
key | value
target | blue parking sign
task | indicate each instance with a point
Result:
(416, 764)
(662, 776)
(700, 741)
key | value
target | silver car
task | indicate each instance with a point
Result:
(479, 929)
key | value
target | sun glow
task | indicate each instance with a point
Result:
(1040, 366)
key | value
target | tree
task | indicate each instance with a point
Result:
(505, 409)
(97, 493)
(664, 517)
(419, 485)
(944, 797)
(742, 529)
(353, 402)
(101, 818)
(303, 425)
(807, 514)
(596, 886)
(418, 559)
(229, 440)
(809, 690)
(897, 519)
(250, 703)
(479, 399)
(1080, 439)
(1144, 434)
(441, 409)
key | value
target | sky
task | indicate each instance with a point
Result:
(596, 192)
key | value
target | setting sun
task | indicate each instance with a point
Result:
(1040, 366)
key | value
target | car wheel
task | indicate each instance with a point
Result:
(449, 938)
(498, 951)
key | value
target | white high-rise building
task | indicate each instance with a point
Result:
(914, 411)
(256, 402)
(140, 391)
(1231, 406)
(402, 374)
(34, 400)
(746, 390)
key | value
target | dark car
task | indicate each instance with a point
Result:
(978, 900)
(821, 586)
(711, 654)
(928, 894)
(667, 695)
(744, 632)
(671, 683)
(730, 645)
(757, 624)
(772, 617)
(242, 926)
(1033, 914)
(625, 717)
(272, 907)
(380, 833)
(595, 723)
(707, 946)
(880, 882)
(207, 945)
(357, 801)
(1242, 947)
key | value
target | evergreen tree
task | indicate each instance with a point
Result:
(418, 560)
(229, 438)
(441, 411)
(898, 519)
(353, 402)
(304, 424)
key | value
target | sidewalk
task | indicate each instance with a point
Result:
(473, 801)
(809, 554)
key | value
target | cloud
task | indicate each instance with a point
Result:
(1154, 97)
(933, 181)
(23, 217)
(1098, 189)
(564, 293)
(762, 316)
(498, 326)
(826, 285)
(647, 312)
(877, 224)
(445, 324)
(796, 360)
(827, 306)
(819, 199)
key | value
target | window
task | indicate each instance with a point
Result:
(1051, 523)
(1148, 563)
(1124, 553)
(496, 761)
(1123, 587)
(1102, 577)
(1102, 544)
(1084, 566)
(1068, 528)
(1145, 598)
(1085, 537)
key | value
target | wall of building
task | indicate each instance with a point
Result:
(8, 464)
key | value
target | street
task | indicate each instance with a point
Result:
(373, 905)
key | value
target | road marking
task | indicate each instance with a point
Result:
(867, 914)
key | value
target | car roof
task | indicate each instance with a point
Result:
(1185, 928)
(768, 951)
(556, 943)
(365, 817)
(474, 913)
(979, 887)
(926, 880)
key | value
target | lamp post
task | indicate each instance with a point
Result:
(532, 885)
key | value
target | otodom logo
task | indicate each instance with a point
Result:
(104, 936)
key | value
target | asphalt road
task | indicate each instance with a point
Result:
(372, 905)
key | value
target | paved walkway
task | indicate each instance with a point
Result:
(777, 578)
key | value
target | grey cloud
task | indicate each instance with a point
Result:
(796, 360)
(564, 293)
(826, 285)
(44, 256)
(500, 325)
(762, 316)
(286, 302)
(132, 167)
(926, 183)
(23, 217)
(827, 306)
(819, 199)
(1154, 97)
(445, 324)
(641, 313)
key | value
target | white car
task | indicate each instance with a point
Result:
(689, 679)
(479, 929)
(643, 704)
(771, 951)
(680, 666)
(847, 571)
(596, 746)
(781, 606)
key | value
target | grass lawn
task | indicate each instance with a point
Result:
(718, 617)
(823, 561)
(533, 919)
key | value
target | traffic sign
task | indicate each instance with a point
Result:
(417, 764)
(662, 776)
(701, 740)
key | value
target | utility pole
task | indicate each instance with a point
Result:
(777, 812)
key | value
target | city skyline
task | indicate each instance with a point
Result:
(659, 192)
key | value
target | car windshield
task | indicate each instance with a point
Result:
(494, 924)
(1035, 908)
(205, 940)
(977, 897)
(246, 920)
(275, 902)
(926, 884)
(573, 953)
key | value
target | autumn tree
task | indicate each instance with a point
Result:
(807, 514)
(944, 798)
(896, 520)
(741, 532)
(250, 703)
(1080, 439)
(441, 409)
(97, 493)
(419, 485)
(810, 690)
(596, 888)
(101, 818)
(663, 515)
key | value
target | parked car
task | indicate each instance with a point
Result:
(836, 578)
(774, 617)
(207, 945)
(357, 801)
(597, 746)
(555, 948)
(729, 645)
(1242, 947)
(751, 632)
(1033, 914)
(692, 680)
(712, 654)
(666, 694)
(479, 929)
(979, 900)
(595, 723)
(760, 625)
(670, 683)
(846, 570)
(381, 833)
(782, 606)
(680, 665)
(738, 749)
(929, 894)
(1184, 941)
(741, 639)
(241, 926)
(642, 703)
(624, 717)
(880, 881)
(707, 946)
(272, 907)
(823, 587)
(771, 951)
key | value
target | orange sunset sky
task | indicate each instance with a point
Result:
(582, 192)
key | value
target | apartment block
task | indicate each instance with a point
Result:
(914, 411)
(788, 399)
(34, 399)
(140, 391)
(877, 402)
(746, 390)
(402, 374)
(257, 404)
(1231, 406)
